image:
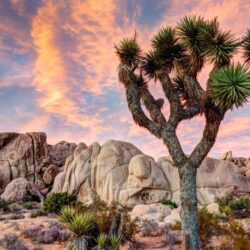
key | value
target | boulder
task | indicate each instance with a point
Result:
(146, 182)
(228, 156)
(19, 189)
(60, 151)
(154, 212)
(174, 217)
(21, 155)
(50, 174)
(247, 173)
(213, 208)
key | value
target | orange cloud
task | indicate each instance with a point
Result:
(52, 78)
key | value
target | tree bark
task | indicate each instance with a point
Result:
(189, 202)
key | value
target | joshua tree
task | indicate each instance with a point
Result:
(177, 56)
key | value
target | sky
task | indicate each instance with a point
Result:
(58, 69)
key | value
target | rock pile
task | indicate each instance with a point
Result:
(28, 156)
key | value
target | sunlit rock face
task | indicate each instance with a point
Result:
(116, 171)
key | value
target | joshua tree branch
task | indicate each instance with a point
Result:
(153, 106)
(134, 104)
(209, 135)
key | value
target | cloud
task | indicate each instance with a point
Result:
(52, 78)
(60, 55)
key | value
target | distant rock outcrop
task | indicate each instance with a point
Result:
(28, 156)
(215, 178)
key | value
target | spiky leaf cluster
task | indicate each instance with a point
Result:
(246, 47)
(128, 51)
(230, 86)
(150, 64)
(167, 48)
(217, 47)
(189, 31)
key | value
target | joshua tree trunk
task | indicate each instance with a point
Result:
(189, 206)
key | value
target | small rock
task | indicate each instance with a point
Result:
(228, 156)
(213, 208)
(19, 188)
(50, 174)
(174, 217)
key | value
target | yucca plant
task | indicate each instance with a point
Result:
(230, 86)
(101, 241)
(81, 224)
(176, 56)
(128, 51)
(115, 241)
(67, 214)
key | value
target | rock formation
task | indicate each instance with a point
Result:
(28, 156)
(119, 171)
(115, 171)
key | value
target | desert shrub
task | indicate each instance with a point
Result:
(241, 239)
(29, 204)
(172, 238)
(38, 212)
(57, 201)
(40, 234)
(208, 226)
(17, 216)
(150, 228)
(82, 226)
(30, 197)
(239, 208)
(169, 203)
(4, 205)
(129, 227)
(115, 241)
(11, 242)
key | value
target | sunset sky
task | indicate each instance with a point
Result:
(58, 69)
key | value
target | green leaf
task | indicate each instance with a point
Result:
(230, 86)
(217, 47)
(150, 64)
(128, 51)
(189, 30)
(167, 48)
(246, 47)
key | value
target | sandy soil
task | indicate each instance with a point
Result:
(16, 227)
